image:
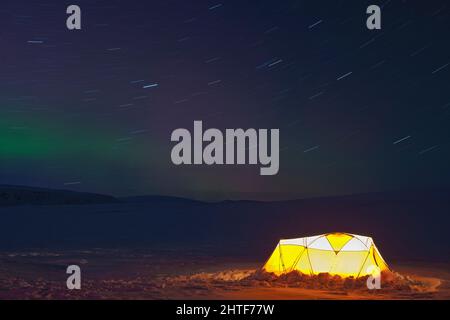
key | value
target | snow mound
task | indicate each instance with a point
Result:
(390, 281)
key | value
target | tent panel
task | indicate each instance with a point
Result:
(379, 259)
(354, 244)
(370, 261)
(289, 256)
(369, 242)
(321, 243)
(310, 240)
(274, 262)
(338, 240)
(348, 263)
(303, 264)
(321, 260)
(366, 240)
(296, 241)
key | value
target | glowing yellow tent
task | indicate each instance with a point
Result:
(342, 254)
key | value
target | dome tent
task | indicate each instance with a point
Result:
(342, 254)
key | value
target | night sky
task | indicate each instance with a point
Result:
(93, 110)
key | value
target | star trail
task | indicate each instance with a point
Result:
(358, 110)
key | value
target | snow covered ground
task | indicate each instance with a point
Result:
(180, 274)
